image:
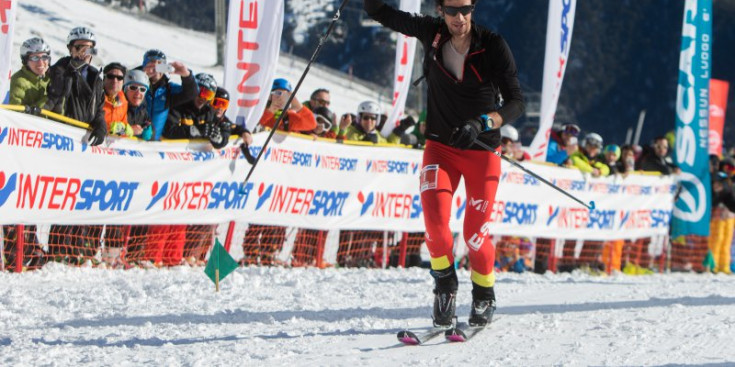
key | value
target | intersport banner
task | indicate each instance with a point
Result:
(559, 27)
(251, 55)
(405, 53)
(717, 107)
(692, 209)
(7, 27)
(48, 176)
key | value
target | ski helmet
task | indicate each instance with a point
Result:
(136, 77)
(206, 80)
(81, 33)
(32, 46)
(612, 148)
(508, 131)
(222, 93)
(593, 139)
(368, 107)
(281, 83)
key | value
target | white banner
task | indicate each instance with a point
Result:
(559, 28)
(7, 26)
(48, 176)
(253, 42)
(405, 53)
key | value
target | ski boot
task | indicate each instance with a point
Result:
(483, 306)
(445, 297)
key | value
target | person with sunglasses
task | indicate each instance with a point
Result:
(368, 116)
(220, 104)
(321, 98)
(135, 85)
(297, 119)
(28, 85)
(75, 89)
(116, 105)
(466, 67)
(197, 119)
(560, 144)
(655, 158)
(164, 95)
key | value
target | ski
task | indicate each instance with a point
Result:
(464, 332)
(408, 337)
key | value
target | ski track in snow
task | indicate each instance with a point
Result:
(274, 316)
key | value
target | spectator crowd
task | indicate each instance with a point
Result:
(142, 101)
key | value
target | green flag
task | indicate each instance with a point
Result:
(220, 262)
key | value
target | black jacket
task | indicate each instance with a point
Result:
(74, 96)
(489, 68)
(181, 120)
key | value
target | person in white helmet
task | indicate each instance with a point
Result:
(366, 129)
(588, 159)
(28, 85)
(76, 88)
(510, 145)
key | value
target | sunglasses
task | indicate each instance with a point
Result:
(205, 93)
(81, 47)
(278, 92)
(116, 77)
(369, 117)
(571, 130)
(454, 10)
(138, 88)
(322, 101)
(39, 58)
(220, 103)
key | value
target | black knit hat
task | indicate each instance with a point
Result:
(113, 66)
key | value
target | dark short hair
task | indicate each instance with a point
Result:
(441, 2)
(113, 66)
(320, 90)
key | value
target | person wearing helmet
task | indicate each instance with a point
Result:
(297, 119)
(467, 68)
(116, 105)
(28, 85)
(197, 119)
(588, 159)
(510, 145)
(612, 153)
(75, 89)
(220, 104)
(560, 146)
(164, 95)
(323, 123)
(368, 116)
(135, 85)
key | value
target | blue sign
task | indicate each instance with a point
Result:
(692, 209)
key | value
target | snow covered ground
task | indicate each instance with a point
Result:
(62, 316)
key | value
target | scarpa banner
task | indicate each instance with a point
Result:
(692, 209)
(48, 176)
(717, 107)
(253, 42)
(7, 26)
(559, 27)
(405, 53)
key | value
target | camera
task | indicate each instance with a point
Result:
(164, 68)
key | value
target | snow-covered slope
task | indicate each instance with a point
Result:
(125, 37)
(62, 316)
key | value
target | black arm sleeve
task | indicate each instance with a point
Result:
(188, 91)
(174, 129)
(412, 25)
(505, 73)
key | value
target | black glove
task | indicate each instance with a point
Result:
(97, 136)
(246, 152)
(32, 110)
(371, 137)
(463, 137)
(404, 125)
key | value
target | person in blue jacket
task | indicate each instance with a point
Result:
(558, 152)
(163, 95)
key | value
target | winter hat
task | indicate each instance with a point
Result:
(114, 66)
(281, 83)
(612, 148)
(152, 55)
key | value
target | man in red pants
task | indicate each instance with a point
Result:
(465, 66)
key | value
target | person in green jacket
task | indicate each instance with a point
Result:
(28, 85)
(588, 159)
(368, 115)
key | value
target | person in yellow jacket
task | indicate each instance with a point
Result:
(588, 159)
(28, 85)
(368, 116)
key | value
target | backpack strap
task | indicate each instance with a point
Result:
(430, 55)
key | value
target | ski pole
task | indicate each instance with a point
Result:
(322, 40)
(590, 206)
